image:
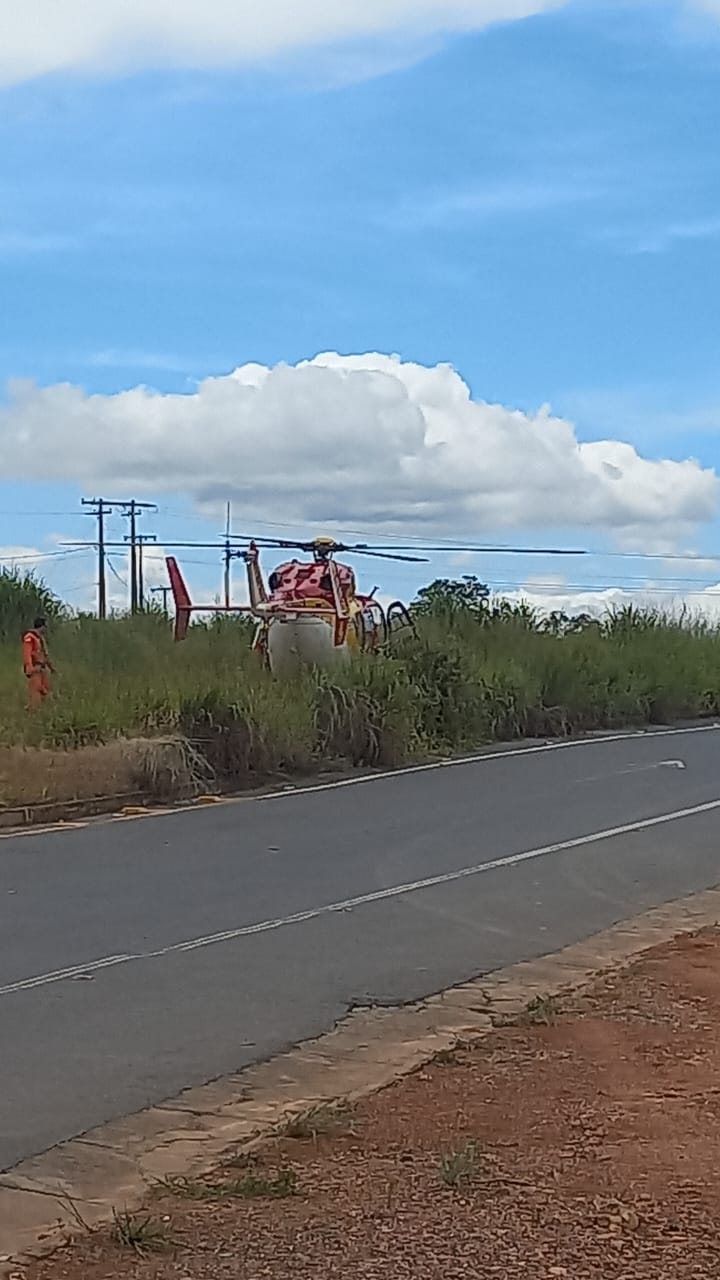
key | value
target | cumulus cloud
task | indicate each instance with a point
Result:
(345, 439)
(41, 36)
(550, 598)
(38, 37)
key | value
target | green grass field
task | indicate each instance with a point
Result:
(470, 676)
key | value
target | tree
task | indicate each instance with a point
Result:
(452, 597)
(560, 623)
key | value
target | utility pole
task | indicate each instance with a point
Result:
(132, 510)
(133, 559)
(141, 539)
(100, 508)
(228, 556)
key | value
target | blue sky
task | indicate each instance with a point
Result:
(536, 203)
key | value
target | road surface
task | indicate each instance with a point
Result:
(139, 957)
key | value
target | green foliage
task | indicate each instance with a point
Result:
(483, 671)
(250, 1187)
(459, 1167)
(446, 598)
(141, 1234)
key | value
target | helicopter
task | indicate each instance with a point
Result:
(310, 612)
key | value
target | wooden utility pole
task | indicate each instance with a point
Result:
(132, 510)
(142, 538)
(137, 582)
(228, 556)
(100, 508)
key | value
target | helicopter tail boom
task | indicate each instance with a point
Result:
(181, 596)
(184, 607)
(264, 610)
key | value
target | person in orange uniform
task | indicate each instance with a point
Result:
(36, 663)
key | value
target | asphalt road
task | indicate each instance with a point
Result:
(140, 957)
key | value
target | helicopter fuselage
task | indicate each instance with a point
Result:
(312, 615)
(309, 613)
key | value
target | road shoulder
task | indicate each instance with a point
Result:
(44, 1201)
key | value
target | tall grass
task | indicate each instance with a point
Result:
(461, 681)
(23, 597)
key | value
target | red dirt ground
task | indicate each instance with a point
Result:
(596, 1148)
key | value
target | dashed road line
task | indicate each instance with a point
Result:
(350, 904)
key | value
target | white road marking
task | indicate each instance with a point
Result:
(364, 899)
(481, 757)
(508, 753)
(631, 768)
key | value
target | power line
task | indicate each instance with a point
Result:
(43, 555)
(584, 588)
(131, 509)
(31, 515)
(114, 572)
(452, 543)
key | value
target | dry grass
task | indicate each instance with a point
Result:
(252, 1186)
(167, 768)
(35, 775)
(140, 1233)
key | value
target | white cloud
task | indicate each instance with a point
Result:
(24, 559)
(41, 36)
(703, 602)
(353, 440)
(38, 37)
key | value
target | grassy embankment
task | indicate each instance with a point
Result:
(464, 680)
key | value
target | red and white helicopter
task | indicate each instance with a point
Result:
(310, 612)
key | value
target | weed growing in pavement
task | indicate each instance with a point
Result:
(186, 1188)
(141, 1234)
(253, 1186)
(249, 1187)
(543, 1009)
(446, 1057)
(459, 1167)
(322, 1120)
(240, 1160)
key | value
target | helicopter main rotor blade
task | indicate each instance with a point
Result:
(289, 544)
(335, 548)
(391, 550)
(380, 555)
(439, 550)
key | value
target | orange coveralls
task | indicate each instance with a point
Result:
(37, 667)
